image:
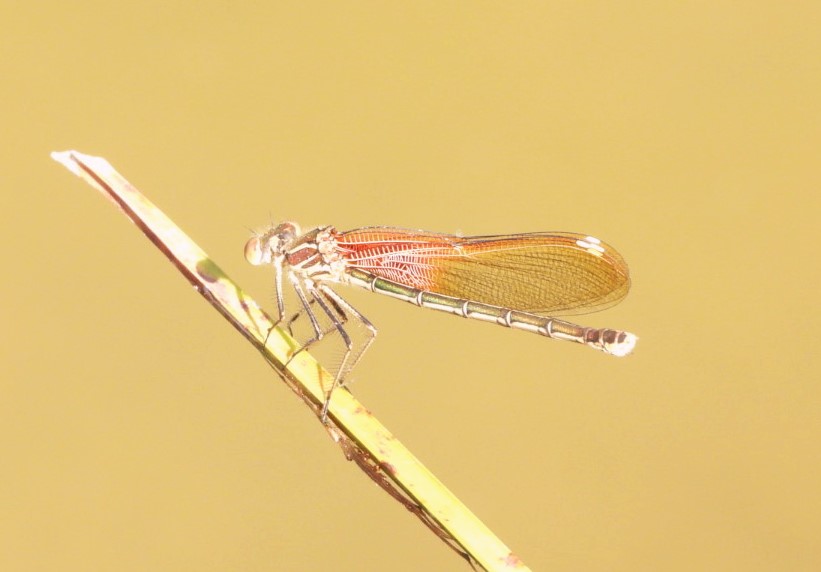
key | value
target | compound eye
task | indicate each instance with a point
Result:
(254, 251)
(288, 230)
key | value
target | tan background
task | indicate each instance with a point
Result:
(138, 431)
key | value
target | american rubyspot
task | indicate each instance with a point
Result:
(516, 280)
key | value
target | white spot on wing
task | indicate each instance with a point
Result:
(592, 245)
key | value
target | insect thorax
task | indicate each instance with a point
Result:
(317, 256)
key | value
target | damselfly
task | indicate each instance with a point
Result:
(517, 280)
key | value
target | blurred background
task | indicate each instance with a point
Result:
(138, 431)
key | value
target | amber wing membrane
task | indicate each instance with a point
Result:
(556, 273)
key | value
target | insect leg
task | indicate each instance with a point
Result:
(346, 308)
(320, 295)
